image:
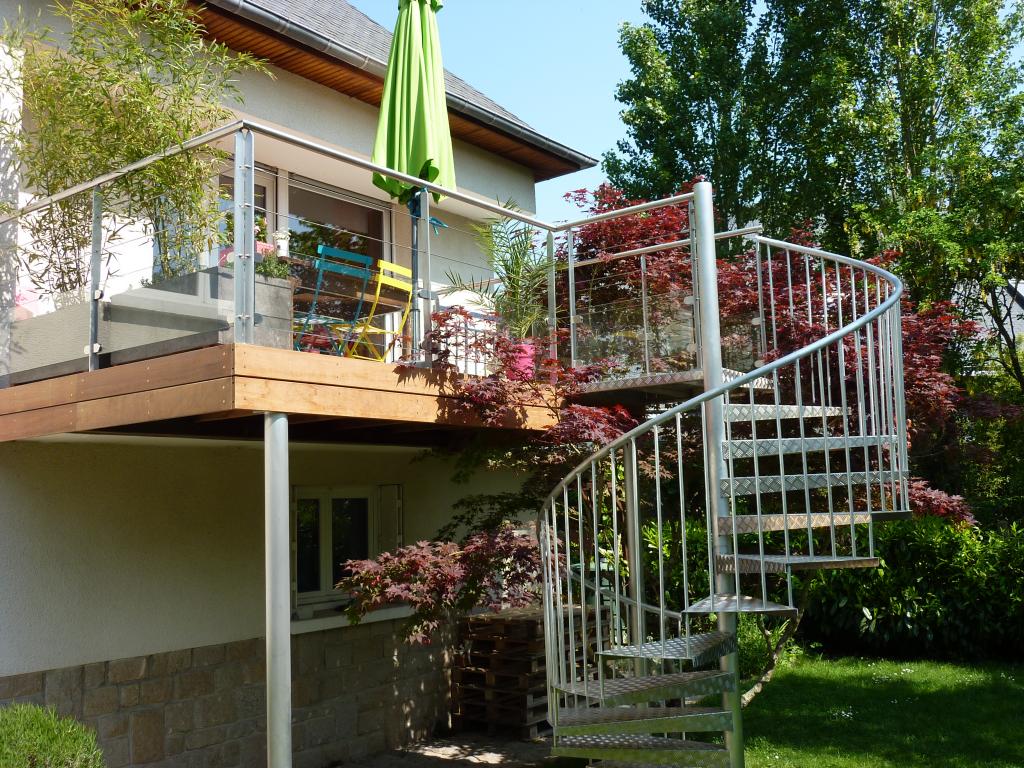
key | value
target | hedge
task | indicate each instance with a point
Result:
(942, 591)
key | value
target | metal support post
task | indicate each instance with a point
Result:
(691, 219)
(95, 278)
(703, 228)
(427, 293)
(416, 315)
(552, 300)
(645, 308)
(570, 254)
(245, 237)
(278, 575)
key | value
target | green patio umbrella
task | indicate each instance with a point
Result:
(413, 134)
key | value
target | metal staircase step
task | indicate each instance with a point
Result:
(650, 750)
(762, 383)
(729, 603)
(640, 690)
(892, 514)
(740, 412)
(770, 446)
(616, 720)
(699, 649)
(792, 522)
(750, 486)
(780, 563)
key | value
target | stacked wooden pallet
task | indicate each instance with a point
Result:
(498, 681)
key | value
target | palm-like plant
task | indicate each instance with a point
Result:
(520, 267)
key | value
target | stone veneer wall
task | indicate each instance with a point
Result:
(355, 691)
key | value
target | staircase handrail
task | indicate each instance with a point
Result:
(811, 445)
(764, 370)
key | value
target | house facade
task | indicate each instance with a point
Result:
(175, 512)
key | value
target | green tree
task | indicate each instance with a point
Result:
(685, 107)
(886, 124)
(128, 79)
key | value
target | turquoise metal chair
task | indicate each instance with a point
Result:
(335, 261)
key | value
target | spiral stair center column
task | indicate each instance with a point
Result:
(714, 436)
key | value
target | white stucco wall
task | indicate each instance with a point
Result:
(116, 550)
(319, 112)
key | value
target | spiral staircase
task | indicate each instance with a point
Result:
(655, 544)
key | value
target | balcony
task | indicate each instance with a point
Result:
(288, 284)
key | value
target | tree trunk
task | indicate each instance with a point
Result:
(775, 650)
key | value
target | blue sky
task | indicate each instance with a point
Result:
(554, 63)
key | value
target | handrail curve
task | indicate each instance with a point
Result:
(758, 373)
(652, 546)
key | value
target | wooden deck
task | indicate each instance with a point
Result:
(221, 391)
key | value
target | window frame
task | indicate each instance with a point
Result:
(386, 208)
(325, 494)
(382, 499)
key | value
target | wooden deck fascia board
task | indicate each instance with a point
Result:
(173, 402)
(234, 381)
(156, 373)
(288, 365)
(322, 385)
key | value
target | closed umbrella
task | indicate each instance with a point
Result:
(413, 135)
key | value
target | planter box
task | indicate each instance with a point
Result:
(274, 313)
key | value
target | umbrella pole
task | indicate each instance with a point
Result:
(428, 280)
(417, 317)
(419, 208)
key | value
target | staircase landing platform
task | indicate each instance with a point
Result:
(666, 386)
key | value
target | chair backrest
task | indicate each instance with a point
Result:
(342, 262)
(394, 275)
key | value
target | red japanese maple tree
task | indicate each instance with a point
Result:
(499, 566)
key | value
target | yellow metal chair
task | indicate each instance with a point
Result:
(399, 280)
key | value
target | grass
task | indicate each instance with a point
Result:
(865, 713)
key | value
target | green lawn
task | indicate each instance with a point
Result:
(826, 713)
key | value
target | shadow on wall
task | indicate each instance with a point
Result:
(10, 111)
(361, 690)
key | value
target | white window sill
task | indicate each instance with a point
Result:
(302, 626)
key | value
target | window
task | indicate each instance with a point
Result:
(318, 214)
(334, 525)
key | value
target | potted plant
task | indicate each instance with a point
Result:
(515, 292)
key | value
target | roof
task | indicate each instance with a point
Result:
(338, 29)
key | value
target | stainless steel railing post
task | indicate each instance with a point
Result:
(552, 299)
(570, 256)
(95, 278)
(427, 292)
(245, 237)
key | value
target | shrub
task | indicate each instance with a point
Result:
(440, 580)
(33, 737)
(942, 591)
